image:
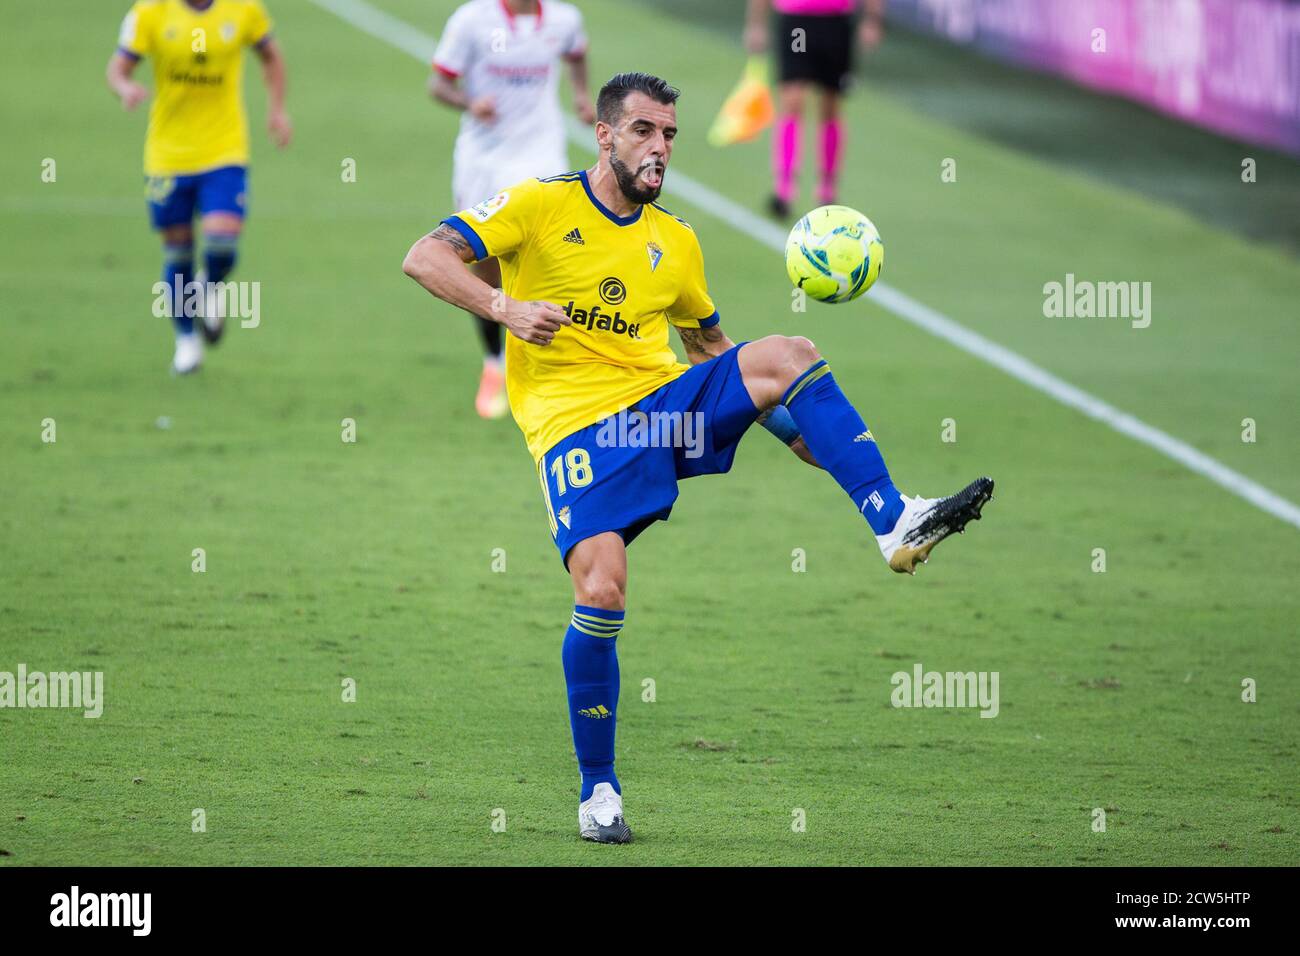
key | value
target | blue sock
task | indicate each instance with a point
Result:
(841, 442)
(178, 270)
(591, 671)
(219, 250)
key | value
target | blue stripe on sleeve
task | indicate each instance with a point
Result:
(469, 235)
(711, 321)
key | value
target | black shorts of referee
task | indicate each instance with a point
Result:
(822, 55)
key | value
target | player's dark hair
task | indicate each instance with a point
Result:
(609, 104)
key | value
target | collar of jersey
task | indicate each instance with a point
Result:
(616, 220)
(510, 16)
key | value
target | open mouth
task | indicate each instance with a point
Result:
(652, 175)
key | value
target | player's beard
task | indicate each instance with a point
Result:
(627, 181)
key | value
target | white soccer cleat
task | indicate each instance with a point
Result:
(189, 354)
(600, 818)
(927, 521)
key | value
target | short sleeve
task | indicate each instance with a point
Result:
(257, 24)
(502, 224)
(693, 308)
(455, 52)
(575, 43)
(135, 38)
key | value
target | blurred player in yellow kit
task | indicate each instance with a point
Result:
(196, 151)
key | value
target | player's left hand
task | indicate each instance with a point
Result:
(280, 127)
(870, 32)
(586, 112)
(534, 322)
(799, 448)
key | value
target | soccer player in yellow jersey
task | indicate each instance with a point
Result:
(196, 150)
(594, 272)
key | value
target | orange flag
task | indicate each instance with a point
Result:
(748, 110)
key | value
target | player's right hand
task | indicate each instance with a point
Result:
(132, 95)
(484, 108)
(534, 322)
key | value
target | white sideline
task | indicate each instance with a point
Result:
(403, 36)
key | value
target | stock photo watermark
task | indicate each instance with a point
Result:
(75, 908)
(72, 690)
(1085, 299)
(960, 689)
(637, 429)
(195, 300)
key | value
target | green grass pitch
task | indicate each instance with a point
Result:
(374, 560)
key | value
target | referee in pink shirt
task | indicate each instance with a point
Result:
(820, 56)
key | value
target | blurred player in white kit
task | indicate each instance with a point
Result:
(498, 61)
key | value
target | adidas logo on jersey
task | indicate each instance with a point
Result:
(865, 436)
(574, 236)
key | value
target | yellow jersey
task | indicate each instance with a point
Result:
(197, 121)
(621, 279)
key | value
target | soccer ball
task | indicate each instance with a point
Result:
(834, 254)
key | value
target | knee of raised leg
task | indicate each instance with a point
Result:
(801, 351)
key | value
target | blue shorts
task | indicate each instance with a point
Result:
(620, 474)
(173, 200)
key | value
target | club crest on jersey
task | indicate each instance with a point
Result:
(227, 31)
(490, 207)
(655, 252)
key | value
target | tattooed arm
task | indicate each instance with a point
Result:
(704, 344)
(438, 261)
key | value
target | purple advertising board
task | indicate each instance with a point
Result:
(1232, 66)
